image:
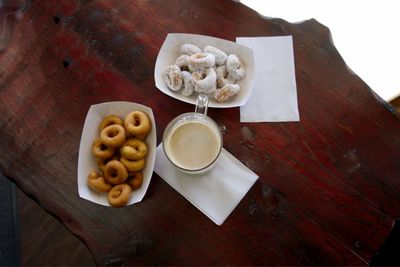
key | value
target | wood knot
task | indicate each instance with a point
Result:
(56, 19)
(66, 63)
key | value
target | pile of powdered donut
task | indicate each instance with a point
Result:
(120, 152)
(210, 72)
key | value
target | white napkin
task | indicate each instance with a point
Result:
(274, 96)
(215, 193)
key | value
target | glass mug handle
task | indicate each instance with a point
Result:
(201, 104)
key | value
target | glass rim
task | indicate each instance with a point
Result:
(167, 128)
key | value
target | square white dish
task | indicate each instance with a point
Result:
(87, 161)
(170, 50)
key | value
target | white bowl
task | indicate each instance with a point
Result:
(87, 161)
(170, 50)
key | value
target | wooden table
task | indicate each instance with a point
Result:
(329, 185)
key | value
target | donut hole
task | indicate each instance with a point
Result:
(103, 147)
(116, 193)
(111, 134)
(114, 173)
(197, 76)
(136, 121)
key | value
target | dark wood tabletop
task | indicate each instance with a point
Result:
(328, 187)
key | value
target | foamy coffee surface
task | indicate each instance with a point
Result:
(192, 145)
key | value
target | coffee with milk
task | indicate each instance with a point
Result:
(192, 141)
(193, 145)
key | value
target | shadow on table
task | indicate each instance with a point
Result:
(10, 254)
(388, 254)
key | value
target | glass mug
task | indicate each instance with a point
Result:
(192, 141)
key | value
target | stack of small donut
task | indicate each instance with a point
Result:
(120, 153)
(210, 72)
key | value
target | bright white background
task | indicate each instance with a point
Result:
(365, 32)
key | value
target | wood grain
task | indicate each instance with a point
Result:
(328, 186)
(45, 241)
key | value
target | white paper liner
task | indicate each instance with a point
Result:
(170, 50)
(87, 161)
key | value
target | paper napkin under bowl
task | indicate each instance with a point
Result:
(215, 193)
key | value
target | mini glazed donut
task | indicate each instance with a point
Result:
(235, 67)
(201, 61)
(182, 62)
(115, 172)
(133, 165)
(110, 120)
(133, 149)
(135, 179)
(137, 123)
(204, 82)
(97, 182)
(226, 92)
(222, 76)
(101, 150)
(220, 56)
(113, 135)
(189, 49)
(119, 195)
(101, 163)
(173, 77)
(188, 86)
